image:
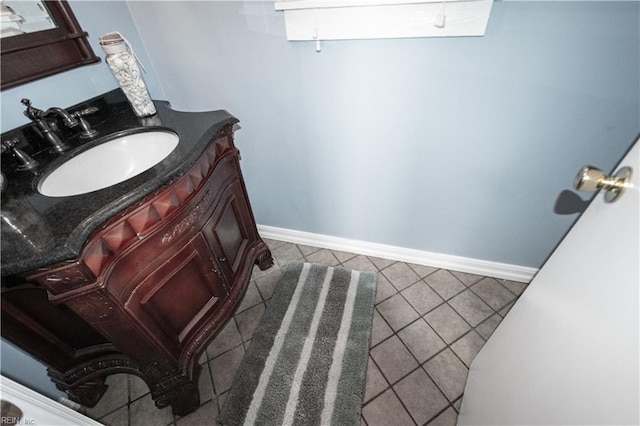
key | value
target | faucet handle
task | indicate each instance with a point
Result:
(86, 111)
(87, 131)
(26, 162)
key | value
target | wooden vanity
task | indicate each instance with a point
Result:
(150, 289)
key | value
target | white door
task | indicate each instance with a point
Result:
(569, 350)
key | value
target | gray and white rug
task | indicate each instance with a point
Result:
(308, 358)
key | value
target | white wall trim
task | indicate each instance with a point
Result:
(437, 260)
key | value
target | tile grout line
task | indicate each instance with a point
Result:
(419, 366)
(448, 345)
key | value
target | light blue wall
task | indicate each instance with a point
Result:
(71, 87)
(22, 368)
(455, 145)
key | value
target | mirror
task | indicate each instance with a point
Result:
(39, 39)
(22, 17)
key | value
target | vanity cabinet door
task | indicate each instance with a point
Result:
(228, 231)
(179, 295)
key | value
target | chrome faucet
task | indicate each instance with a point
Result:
(39, 117)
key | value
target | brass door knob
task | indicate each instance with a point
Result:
(591, 178)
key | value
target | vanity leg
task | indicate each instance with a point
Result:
(264, 260)
(85, 392)
(172, 387)
(184, 399)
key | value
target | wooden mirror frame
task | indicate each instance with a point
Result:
(28, 57)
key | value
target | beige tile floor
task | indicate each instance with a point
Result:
(428, 326)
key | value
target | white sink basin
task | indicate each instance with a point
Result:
(109, 163)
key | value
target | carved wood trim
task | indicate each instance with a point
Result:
(196, 215)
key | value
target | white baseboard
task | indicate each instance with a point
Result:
(437, 260)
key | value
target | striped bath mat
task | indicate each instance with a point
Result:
(308, 358)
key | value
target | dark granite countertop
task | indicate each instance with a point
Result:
(38, 230)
